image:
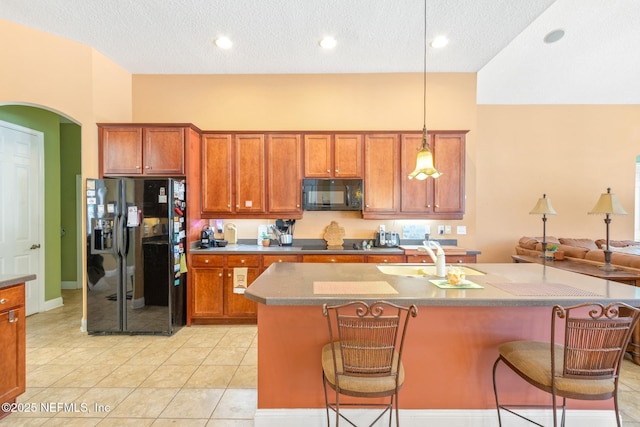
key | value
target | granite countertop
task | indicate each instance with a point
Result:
(502, 285)
(13, 279)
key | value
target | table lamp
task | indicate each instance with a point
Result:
(544, 208)
(608, 205)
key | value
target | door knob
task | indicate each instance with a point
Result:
(35, 246)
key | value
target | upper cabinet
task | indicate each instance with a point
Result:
(284, 174)
(233, 174)
(131, 150)
(251, 175)
(381, 175)
(441, 198)
(333, 155)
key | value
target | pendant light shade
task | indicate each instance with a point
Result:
(424, 162)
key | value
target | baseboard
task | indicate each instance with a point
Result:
(52, 303)
(431, 417)
(69, 285)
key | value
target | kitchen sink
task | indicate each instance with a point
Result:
(422, 270)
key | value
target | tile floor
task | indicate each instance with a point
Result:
(201, 376)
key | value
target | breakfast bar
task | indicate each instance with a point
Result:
(451, 345)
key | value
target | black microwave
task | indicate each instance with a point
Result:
(332, 194)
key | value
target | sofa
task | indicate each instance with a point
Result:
(624, 253)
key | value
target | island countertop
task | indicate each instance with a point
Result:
(14, 279)
(292, 284)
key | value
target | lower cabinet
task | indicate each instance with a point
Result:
(214, 297)
(12, 344)
(332, 258)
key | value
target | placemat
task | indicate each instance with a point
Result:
(353, 288)
(465, 284)
(543, 290)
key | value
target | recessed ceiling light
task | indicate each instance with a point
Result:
(554, 36)
(438, 42)
(328, 43)
(223, 43)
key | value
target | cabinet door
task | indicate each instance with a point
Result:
(381, 181)
(12, 354)
(448, 190)
(284, 182)
(318, 156)
(249, 174)
(163, 151)
(121, 150)
(415, 194)
(208, 285)
(347, 156)
(235, 304)
(216, 174)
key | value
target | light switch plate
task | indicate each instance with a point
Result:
(461, 229)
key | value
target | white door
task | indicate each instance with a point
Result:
(22, 208)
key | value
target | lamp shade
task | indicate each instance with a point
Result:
(608, 204)
(543, 207)
(424, 166)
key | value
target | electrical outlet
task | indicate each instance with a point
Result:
(441, 230)
(447, 229)
(461, 229)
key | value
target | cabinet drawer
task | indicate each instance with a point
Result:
(382, 259)
(207, 260)
(267, 260)
(243, 260)
(459, 259)
(332, 258)
(11, 297)
(425, 259)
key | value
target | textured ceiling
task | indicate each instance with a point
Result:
(596, 61)
(281, 36)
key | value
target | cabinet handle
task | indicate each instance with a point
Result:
(241, 261)
(237, 206)
(385, 261)
(424, 261)
(337, 171)
(333, 260)
(279, 260)
(228, 274)
(328, 171)
(219, 274)
(229, 205)
(206, 261)
(366, 206)
(3, 301)
(12, 317)
(428, 206)
(297, 206)
(137, 166)
(147, 167)
(437, 206)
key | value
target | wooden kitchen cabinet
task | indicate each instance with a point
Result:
(131, 150)
(284, 175)
(233, 175)
(381, 175)
(212, 296)
(449, 259)
(333, 155)
(332, 258)
(12, 343)
(386, 259)
(441, 198)
(207, 286)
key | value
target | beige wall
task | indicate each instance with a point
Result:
(572, 153)
(318, 102)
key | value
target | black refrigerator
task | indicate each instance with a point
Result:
(136, 237)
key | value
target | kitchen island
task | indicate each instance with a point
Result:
(451, 345)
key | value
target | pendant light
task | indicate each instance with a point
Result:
(424, 162)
